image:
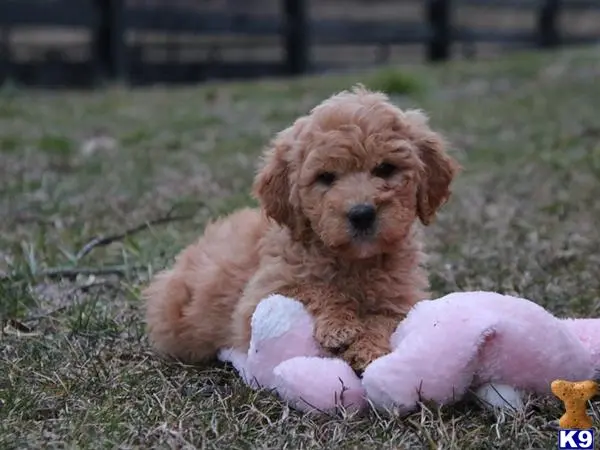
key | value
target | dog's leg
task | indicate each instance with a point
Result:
(373, 341)
(336, 317)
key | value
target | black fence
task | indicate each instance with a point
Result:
(153, 41)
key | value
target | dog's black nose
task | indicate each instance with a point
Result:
(362, 216)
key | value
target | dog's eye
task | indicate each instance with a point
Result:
(326, 178)
(384, 170)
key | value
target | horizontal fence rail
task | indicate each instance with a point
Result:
(110, 54)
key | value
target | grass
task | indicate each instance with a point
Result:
(76, 369)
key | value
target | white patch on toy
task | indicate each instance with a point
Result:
(502, 396)
(275, 316)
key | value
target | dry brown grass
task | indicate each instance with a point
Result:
(75, 165)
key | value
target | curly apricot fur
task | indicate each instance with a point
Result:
(299, 243)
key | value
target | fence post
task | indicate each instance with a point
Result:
(296, 35)
(5, 53)
(548, 30)
(109, 40)
(439, 13)
(439, 17)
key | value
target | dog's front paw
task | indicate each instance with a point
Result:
(362, 353)
(335, 338)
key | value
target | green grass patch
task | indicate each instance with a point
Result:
(397, 82)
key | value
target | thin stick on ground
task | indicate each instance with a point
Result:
(73, 272)
(102, 241)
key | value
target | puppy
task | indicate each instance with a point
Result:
(341, 191)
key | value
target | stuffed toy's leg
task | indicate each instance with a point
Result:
(284, 356)
(569, 349)
(319, 384)
(436, 364)
(588, 333)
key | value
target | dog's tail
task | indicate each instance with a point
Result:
(166, 299)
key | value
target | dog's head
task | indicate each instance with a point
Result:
(355, 173)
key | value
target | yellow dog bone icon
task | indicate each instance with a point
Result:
(575, 396)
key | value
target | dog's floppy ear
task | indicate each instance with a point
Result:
(438, 172)
(272, 184)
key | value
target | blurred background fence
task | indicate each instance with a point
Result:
(79, 43)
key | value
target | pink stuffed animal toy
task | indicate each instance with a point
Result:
(496, 345)
(284, 357)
